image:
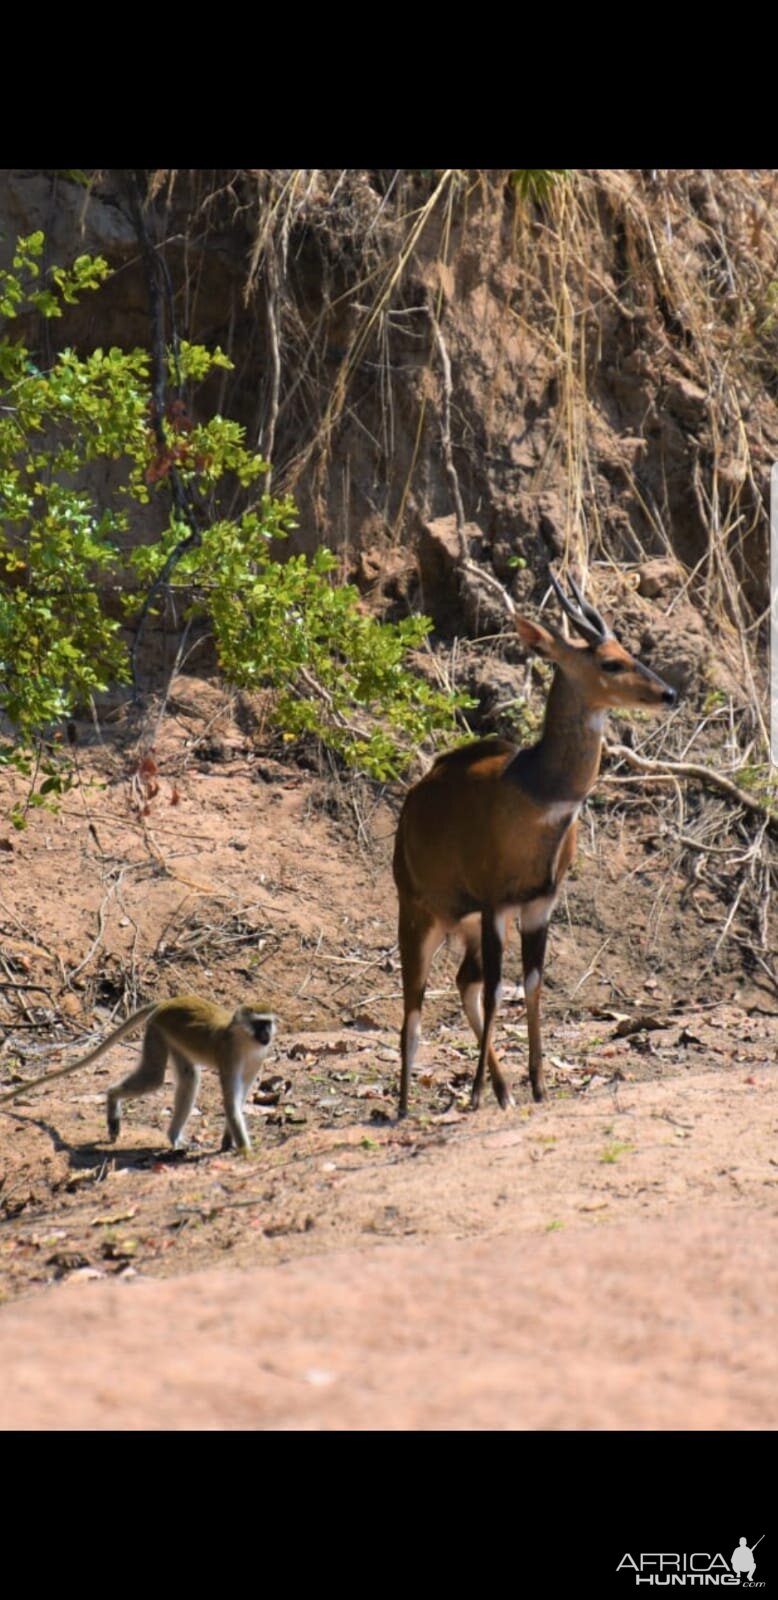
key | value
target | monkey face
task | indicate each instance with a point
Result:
(262, 1029)
(261, 1025)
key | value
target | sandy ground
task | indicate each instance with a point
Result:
(635, 1326)
(510, 1277)
(607, 1260)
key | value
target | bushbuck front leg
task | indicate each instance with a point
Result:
(534, 933)
(470, 982)
(419, 938)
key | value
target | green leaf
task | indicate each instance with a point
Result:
(334, 672)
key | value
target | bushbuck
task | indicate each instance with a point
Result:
(490, 832)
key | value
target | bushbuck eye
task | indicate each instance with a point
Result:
(612, 666)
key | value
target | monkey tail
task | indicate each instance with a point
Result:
(83, 1061)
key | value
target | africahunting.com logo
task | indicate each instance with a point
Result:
(662, 1567)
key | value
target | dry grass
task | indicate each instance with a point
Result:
(627, 325)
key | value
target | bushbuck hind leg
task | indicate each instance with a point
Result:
(470, 983)
(492, 945)
(534, 933)
(419, 937)
(148, 1075)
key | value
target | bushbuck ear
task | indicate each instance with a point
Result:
(535, 637)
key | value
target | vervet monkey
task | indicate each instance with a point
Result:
(193, 1033)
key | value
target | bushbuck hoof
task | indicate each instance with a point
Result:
(539, 1092)
(504, 1097)
(475, 1097)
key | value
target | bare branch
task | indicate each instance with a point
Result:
(690, 769)
(445, 431)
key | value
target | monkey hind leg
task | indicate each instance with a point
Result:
(187, 1085)
(148, 1075)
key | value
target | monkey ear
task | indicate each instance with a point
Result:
(536, 638)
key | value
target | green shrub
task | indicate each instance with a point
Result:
(338, 672)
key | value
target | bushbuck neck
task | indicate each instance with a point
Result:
(564, 763)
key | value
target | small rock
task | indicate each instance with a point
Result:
(453, 593)
(687, 401)
(659, 578)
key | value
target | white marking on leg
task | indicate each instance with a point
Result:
(472, 1002)
(412, 1037)
(536, 913)
(431, 942)
(532, 981)
(560, 811)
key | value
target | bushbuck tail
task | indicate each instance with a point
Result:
(490, 832)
